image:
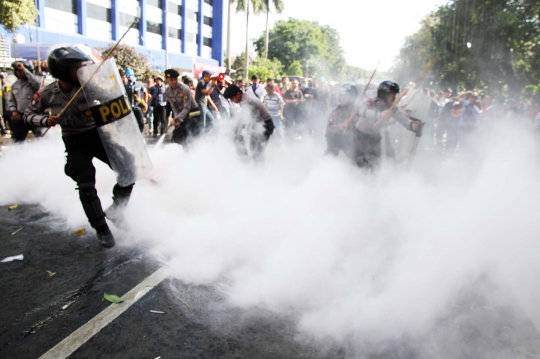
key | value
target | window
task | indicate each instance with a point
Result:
(207, 42)
(207, 20)
(98, 12)
(63, 5)
(190, 37)
(154, 3)
(127, 20)
(154, 27)
(192, 15)
(175, 33)
(174, 8)
(209, 2)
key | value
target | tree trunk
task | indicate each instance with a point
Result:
(266, 36)
(247, 42)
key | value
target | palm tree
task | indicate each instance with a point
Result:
(243, 5)
(278, 5)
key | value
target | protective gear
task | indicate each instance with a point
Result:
(386, 88)
(115, 212)
(115, 122)
(62, 58)
(105, 237)
(159, 77)
(349, 91)
(27, 64)
(129, 72)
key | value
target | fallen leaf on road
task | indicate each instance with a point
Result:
(10, 208)
(112, 298)
(184, 303)
(20, 257)
(67, 305)
(17, 231)
(50, 273)
(80, 232)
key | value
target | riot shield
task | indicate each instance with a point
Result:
(115, 121)
(417, 106)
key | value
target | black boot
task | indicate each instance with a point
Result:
(92, 207)
(115, 212)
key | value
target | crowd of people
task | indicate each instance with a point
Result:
(358, 120)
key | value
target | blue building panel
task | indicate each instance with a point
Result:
(48, 38)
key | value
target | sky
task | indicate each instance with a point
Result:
(371, 31)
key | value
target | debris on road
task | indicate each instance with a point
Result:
(112, 298)
(50, 273)
(17, 231)
(184, 303)
(157, 312)
(20, 257)
(10, 208)
(67, 305)
(80, 232)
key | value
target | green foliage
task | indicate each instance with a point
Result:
(126, 57)
(15, 13)
(295, 69)
(493, 45)
(314, 46)
(265, 68)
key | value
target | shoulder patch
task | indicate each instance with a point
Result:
(37, 96)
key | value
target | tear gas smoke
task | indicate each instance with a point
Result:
(356, 257)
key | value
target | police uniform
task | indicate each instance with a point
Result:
(139, 89)
(339, 137)
(367, 133)
(261, 125)
(182, 104)
(22, 93)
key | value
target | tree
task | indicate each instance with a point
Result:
(482, 44)
(315, 47)
(15, 13)
(295, 69)
(278, 5)
(265, 68)
(126, 57)
(243, 5)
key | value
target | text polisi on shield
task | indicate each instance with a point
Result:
(110, 111)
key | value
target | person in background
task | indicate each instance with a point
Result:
(202, 92)
(217, 98)
(255, 89)
(274, 103)
(149, 115)
(22, 94)
(270, 81)
(159, 105)
(293, 99)
(241, 85)
(284, 85)
(138, 96)
(4, 113)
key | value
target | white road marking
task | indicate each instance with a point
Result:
(67, 346)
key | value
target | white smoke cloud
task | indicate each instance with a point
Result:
(353, 255)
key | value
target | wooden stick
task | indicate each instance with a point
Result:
(95, 72)
(348, 122)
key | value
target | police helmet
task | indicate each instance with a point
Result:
(62, 58)
(386, 88)
(348, 90)
(130, 72)
(25, 63)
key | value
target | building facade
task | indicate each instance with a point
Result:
(173, 33)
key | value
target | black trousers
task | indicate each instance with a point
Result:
(160, 119)
(367, 149)
(19, 130)
(140, 117)
(336, 140)
(258, 140)
(81, 149)
(187, 130)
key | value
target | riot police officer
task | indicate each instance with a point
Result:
(138, 96)
(338, 133)
(186, 113)
(371, 119)
(22, 93)
(80, 137)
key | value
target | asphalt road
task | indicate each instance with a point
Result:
(59, 286)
